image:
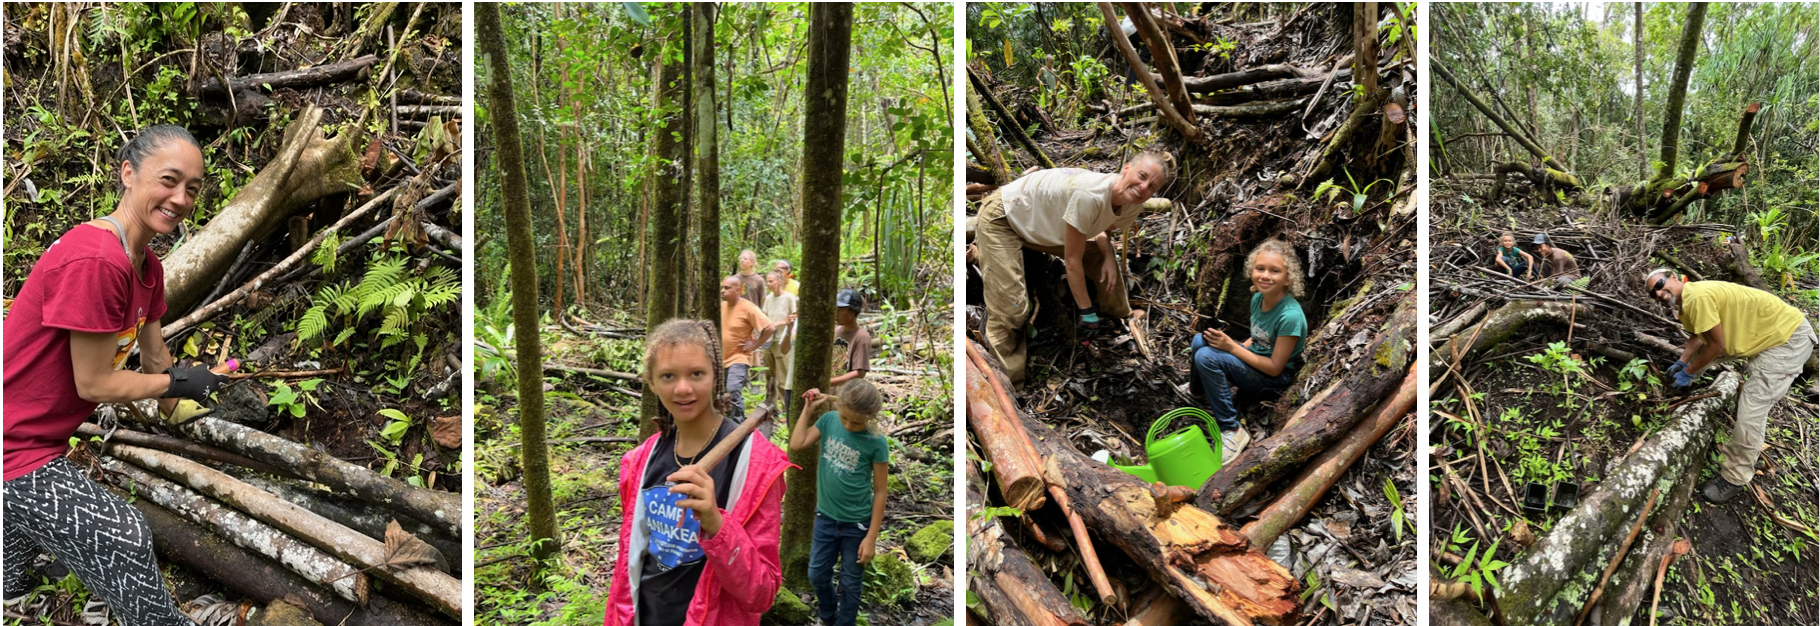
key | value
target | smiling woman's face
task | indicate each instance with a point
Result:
(162, 190)
(1137, 182)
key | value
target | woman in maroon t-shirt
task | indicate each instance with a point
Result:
(88, 301)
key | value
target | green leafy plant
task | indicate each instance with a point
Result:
(396, 426)
(1330, 188)
(1476, 570)
(293, 401)
(389, 288)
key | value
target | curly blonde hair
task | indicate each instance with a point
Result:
(686, 332)
(1291, 263)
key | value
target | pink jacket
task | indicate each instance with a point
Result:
(744, 569)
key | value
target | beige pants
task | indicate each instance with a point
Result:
(777, 376)
(1768, 376)
(1001, 260)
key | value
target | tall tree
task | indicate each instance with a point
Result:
(707, 156)
(1642, 140)
(1677, 88)
(664, 286)
(525, 316)
(824, 150)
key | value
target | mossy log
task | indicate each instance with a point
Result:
(1549, 582)
(1012, 587)
(1545, 179)
(361, 517)
(307, 168)
(300, 558)
(436, 588)
(1498, 326)
(985, 141)
(253, 577)
(440, 509)
(1009, 121)
(1453, 327)
(1322, 421)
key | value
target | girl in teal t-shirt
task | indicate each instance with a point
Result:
(850, 479)
(1513, 260)
(1263, 362)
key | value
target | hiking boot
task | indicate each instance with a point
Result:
(1233, 442)
(1720, 491)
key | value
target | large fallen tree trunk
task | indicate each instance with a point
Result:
(1326, 469)
(438, 589)
(361, 517)
(246, 532)
(1011, 586)
(1192, 554)
(1634, 578)
(995, 427)
(1498, 326)
(257, 578)
(1321, 421)
(1549, 582)
(437, 508)
(984, 145)
(307, 168)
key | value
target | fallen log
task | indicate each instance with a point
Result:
(1012, 587)
(1321, 421)
(307, 168)
(1498, 326)
(436, 588)
(1216, 82)
(1007, 446)
(1453, 326)
(1162, 54)
(358, 516)
(1145, 78)
(355, 69)
(301, 559)
(189, 449)
(1192, 554)
(984, 145)
(441, 510)
(1320, 475)
(1548, 581)
(1741, 267)
(256, 578)
(426, 110)
(1009, 121)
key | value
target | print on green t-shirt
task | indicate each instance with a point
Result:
(843, 478)
(1284, 320)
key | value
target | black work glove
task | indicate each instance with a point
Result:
(195, 382)
(1087, 325)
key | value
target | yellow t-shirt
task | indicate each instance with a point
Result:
(792, 287)
(1755, 320)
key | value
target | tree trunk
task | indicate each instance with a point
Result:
(1009, 121)
(541, 521)
(1365, 47)
(253, 577)
(1163, 52)
(986, 141)
(189, 449)
(438, 589)
(1320, 422)
(664, 282)
(358, 516)
(707, 155)
(824, 152)
(306, 169)
(1321, 474)
(248, 533)
(1163, 105)
(1642, 139)
(1498, 326)
(1548, 582)
(1677, 89)
(1216, 82)
(1515, 133)
(1011, 586)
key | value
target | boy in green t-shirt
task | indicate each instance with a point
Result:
(850, 488)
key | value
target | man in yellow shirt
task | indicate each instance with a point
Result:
(1727, 320)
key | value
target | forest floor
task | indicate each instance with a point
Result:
(1544, 425)
(411, 370)
(1355, 551)
(593, 423)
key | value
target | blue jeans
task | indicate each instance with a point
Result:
(1517, 267)
(836, 539)
(1216, 371)
(737, 375)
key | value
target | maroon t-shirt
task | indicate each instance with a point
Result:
(84, 282)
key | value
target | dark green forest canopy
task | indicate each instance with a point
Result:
(585, 75)
(1568, 73)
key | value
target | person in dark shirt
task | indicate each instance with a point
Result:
(853, 343)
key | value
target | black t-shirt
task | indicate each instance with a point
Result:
(673, 561)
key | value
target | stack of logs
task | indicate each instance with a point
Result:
(1203, 566)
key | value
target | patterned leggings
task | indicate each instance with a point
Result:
(97, 535)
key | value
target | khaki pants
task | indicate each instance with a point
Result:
(1768, 377)
(1001, 260)
(777, 377)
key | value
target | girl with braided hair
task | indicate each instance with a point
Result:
(698, 545)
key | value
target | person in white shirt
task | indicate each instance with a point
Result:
(1066, 212)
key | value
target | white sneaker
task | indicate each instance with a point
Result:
(1187, 393)
(1232, 443)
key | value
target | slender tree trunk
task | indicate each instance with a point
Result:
(824, 149)
(664, 286)
(562, 176)
(1677, 88)
(707, 156)
(1642, 139)
(517, 201)
(1365, 46)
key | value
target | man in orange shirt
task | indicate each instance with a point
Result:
(743, 328)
